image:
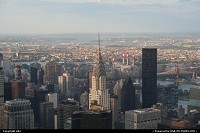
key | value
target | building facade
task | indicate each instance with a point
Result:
(99, 93)
(18, 114)
(149, 77)
(147, 118)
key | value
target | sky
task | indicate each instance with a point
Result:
(92, 16)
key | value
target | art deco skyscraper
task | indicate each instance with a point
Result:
(149, 77)
(99, 92)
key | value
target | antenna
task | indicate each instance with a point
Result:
(99, 41)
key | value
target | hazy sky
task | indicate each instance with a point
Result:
(85, 16)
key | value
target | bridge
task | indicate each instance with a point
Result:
(176, 72)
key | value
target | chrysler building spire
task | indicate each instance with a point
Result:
(99, 69)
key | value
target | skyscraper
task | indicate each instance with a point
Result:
(18, 89)
(128, 99)
(1, 86)
(18, 73)
(99, 93)
(149, 77)
(33, 75)
(51, 72)
(18, 114)
(46, 115)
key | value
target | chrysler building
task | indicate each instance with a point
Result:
(99, 93)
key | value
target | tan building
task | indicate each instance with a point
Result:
(146, 118)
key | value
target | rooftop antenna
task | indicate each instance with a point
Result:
(99, 41)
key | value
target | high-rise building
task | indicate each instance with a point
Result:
(89, 76)
(92, 120)
(18, 114)
(18, 73)
(46, 115)
(1, 59)
(33, 72)
(99, 93)
(64, 112)
(7, 91)
(168, 96)
(69, 84)
(117, 90)
(40, 77)
(149, 77)
(1, 86)
(62, 85)
(18, 89)
(53, 97)
(39, 96)
(51, 72)
(128, 99)
(146, 118)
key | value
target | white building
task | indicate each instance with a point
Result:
(99, 93)
(18, 114)
(147, 118)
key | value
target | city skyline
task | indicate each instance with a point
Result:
(92, 16)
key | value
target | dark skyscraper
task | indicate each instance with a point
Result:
(7, 91)
(149, 77)
(40, 77)
(128, 96)
(34, 75)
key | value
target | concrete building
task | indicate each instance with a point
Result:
(18, 114)
(147, 118)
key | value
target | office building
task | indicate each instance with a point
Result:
(46, 115)
(53, 97)
(1, 86)
(147, 118)
(128, 98)
(18, 89)
(34, 75)
(168, 95)
(7, 91)
(51, 72)
(149, 77)
(18, 114)
(64, 112)
(17, 72)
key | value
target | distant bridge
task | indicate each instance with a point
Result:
(176, 72)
